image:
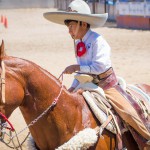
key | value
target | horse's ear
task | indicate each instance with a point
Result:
(2, 51)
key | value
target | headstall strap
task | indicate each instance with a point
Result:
(3, 81)
(6, 119)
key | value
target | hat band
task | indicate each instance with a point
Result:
(70, 10)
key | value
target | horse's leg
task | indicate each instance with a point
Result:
(36, 147)
(129, 141)
(107, 142)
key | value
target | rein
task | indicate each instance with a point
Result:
(40, 116)
(49, 108)
(11, 128)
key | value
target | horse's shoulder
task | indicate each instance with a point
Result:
(78, 98)
(14, 62)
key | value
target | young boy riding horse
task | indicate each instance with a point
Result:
(93, 57)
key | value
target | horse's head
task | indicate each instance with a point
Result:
(2, 88)
(11, 91)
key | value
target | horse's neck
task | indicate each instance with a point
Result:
(70, 115)
(66, 117)
(42, 89)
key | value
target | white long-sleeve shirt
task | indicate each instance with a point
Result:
(97, 58)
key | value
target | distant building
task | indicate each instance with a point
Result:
(127, 13)
(7, 4)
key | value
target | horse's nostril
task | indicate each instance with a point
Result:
(2, 109)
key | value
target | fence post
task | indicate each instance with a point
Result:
(93, 6)
(105, 5)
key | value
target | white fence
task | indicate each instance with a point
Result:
(133, 9)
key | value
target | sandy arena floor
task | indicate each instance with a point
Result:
(31, 37)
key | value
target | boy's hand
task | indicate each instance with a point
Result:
(72, 68)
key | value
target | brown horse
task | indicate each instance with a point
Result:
(33, 90)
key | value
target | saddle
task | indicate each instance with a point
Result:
(95, 97)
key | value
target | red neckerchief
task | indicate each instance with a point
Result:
(80, 49)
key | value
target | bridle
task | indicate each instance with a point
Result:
(2, 79)
(4, 126)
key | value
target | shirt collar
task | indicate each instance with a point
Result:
(86, 35)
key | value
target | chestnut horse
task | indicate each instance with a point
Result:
(33, 90)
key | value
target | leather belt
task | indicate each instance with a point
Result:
(105, 74)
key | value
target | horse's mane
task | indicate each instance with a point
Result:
(3, 56)
(43, 70)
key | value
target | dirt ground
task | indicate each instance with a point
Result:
(32, 37)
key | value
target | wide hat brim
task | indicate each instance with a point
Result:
(95, 20)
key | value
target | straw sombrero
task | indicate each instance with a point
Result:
(77, 10)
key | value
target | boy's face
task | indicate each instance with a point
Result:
(76, 30)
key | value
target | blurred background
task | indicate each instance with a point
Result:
(28, 35)
(133, 14)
